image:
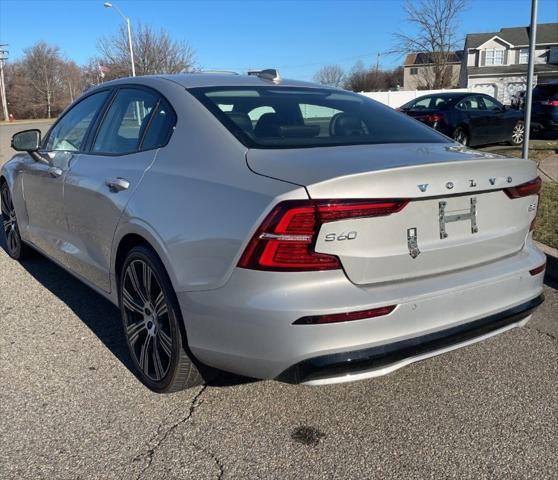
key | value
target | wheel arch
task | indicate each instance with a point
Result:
(129, 236)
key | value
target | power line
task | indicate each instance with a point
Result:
(315, 64)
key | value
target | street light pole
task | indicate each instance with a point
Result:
(530, 75)
(127, 20)
(131, 49)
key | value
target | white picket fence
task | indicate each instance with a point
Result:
(397, 98)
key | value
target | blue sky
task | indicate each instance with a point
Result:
(296, 36)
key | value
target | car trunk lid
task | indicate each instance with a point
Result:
(458, 214)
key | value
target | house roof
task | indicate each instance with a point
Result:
(511, 70)
(517, 36)
(425, 58)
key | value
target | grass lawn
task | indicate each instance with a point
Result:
(546, 225)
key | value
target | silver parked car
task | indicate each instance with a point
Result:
(273, 228)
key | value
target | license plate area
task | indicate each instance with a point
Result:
(447, 216)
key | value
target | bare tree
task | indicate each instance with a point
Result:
(72, 79)
(41, 68)
(434, 34)
(330, 75)
(154, 52)
(362, 79)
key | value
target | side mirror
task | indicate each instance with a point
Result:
(27, 141)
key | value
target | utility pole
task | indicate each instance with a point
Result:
(3, 58)
(530, 75)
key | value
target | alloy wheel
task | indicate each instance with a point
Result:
(146, 320)
(461, 136)
(518, 133)
(9, 222)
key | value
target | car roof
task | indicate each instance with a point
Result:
(194, 80)
(447, 95)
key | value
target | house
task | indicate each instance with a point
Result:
(496, 63)
(419, 71)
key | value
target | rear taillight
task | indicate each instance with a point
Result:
(345, 317)
(525, 189)
(538, 270)
(286, 238)
(433, 118)
(551, 103)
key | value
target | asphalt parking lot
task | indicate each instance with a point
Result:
(70, 407)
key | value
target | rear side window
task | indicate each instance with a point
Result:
(125, 122)
(160, 128)
(292, 117)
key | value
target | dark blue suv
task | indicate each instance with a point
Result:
(544, 115)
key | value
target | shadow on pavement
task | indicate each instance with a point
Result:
(551, 274)
(97, 313)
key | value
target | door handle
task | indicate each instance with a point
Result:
(117, 184)
(55, 172)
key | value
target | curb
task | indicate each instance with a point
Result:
(26, 122)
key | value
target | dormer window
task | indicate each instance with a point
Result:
(494, 56)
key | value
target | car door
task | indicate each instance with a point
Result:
(475, 118)
(43, 182)
(101, 182)
(498, 125)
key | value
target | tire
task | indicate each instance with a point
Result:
(15, 247)
(153, 325)
(518, 133)
(461, 135)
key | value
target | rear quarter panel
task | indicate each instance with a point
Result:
(199, 203)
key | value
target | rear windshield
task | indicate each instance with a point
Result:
(288, 117)
(437, 102)
(545, 92)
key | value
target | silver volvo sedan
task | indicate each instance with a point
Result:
(273, 228)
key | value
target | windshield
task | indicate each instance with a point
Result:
(289, 117)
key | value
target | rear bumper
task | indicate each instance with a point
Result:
(246, 327)
(376, 361)
(546, 121)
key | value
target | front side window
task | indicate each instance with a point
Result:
(294, 117)
(125, 122)
(69, 132)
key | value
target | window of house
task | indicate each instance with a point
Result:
(524, 55)
(414, 71)
(494, 56)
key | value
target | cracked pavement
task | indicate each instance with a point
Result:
(71, 409)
